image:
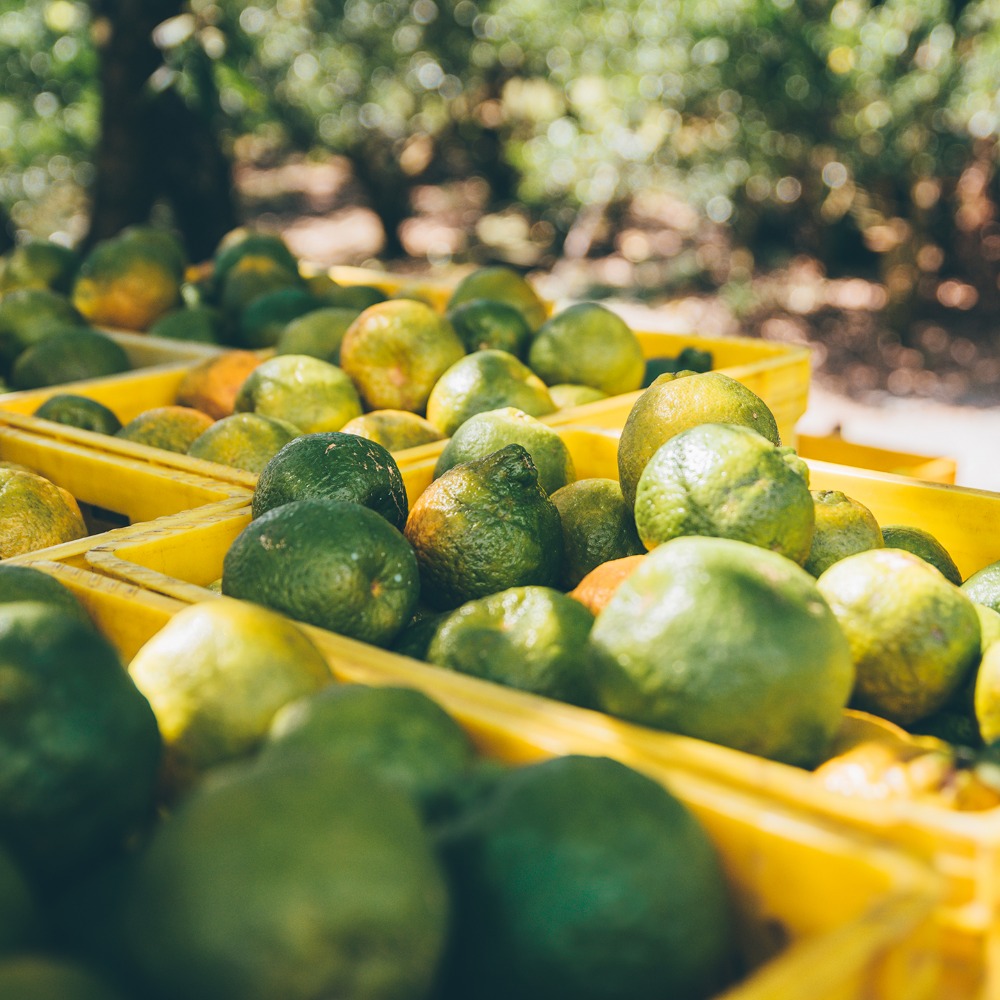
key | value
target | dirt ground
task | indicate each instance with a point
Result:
(932, 387)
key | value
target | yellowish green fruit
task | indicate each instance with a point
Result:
(395, 430)
(728, 481)
(485, 433)
(173, 428)
(726, 642)
(245, 441)
(216, 674)
(486, 380)
(674, 403)
(313, 395)
(588, 344)
(843, 527)
(914, 636)
(395, 351)
(566, 395)
(34, 513)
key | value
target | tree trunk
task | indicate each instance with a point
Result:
(6, 231)
(152, 144)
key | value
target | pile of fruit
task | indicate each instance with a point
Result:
(223, 821)
(344, 357)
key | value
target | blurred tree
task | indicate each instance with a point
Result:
(157, 142)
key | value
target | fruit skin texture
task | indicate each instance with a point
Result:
(333, 564)
(313, 395)
(79, 745)
(582, 878)
(173, 428)
(597, 527)
(395, 430)
(983, 587)
(395, 351)
(486, 380)
(333, 466)
(726, 642)
(914, 636)
(213, 385)
(588, 344)
(675, 402)
(531, 638)
(268, 883)
(79, 411)
(728, 481)
(245, 441)
(485, 433)
(485, 526)
(843, 527)
(34, 513)
(67, 355)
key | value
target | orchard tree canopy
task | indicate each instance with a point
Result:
(862, 132)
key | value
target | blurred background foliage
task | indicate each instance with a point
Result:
(863, 134)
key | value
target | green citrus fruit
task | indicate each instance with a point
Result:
(485, 433)
(333, 466)
(330, 563)
(727, 642)
(728, 481)
(597, 527)
(924, 544)
(579, 877)
(530, 638)
(914, 636)
(484, 526)
(843, 527)
(674, 403)
(486, 380)
(588, 344)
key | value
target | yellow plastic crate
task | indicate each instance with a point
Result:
(821, 914)
(834, 449)
(112, 490)
(778, 373)
(965, 848)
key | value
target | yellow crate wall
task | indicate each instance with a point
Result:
(136, 491)
(835, 450)
(964, 847)
(821, 914)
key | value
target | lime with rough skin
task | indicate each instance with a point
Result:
(914, 636)
(675, 402)
(486, 380)
(485, 433)
(313, 395)
(588, 344)
(173, 428)
(484, 526)
(726, 642)
(333, 466)
(843, 527)
(597, 527)
(530, 638)
(245, 441)
(727, 481)
(922, 543)
(331, 563)
(28, 315)
(35, 513)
